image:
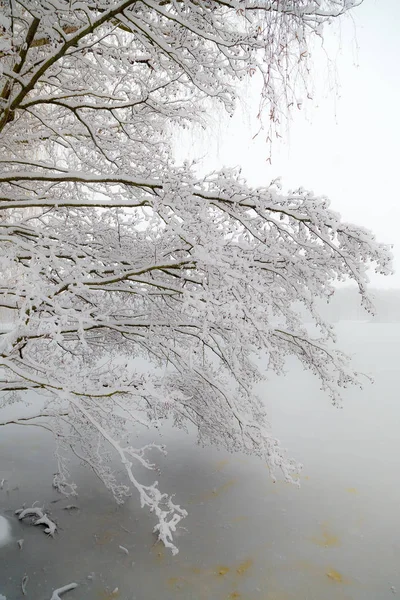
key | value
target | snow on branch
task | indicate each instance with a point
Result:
(66, 588)
(168, 514)
(43, 519)
(112, 255)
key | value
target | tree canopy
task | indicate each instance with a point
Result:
(110, 251)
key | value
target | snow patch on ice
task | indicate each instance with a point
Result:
(5, 535)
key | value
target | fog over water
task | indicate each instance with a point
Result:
(335, 537)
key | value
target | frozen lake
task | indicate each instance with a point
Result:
(335, 538)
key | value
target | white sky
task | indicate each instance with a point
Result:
(345, 142)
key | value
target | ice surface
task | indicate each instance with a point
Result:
(245, 537)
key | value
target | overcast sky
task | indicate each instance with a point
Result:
(344, 143)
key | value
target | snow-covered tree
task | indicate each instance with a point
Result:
(112, 252)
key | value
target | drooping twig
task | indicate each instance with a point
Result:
(62, 590)
(43, 519)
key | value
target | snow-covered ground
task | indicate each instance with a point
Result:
(335, 538)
